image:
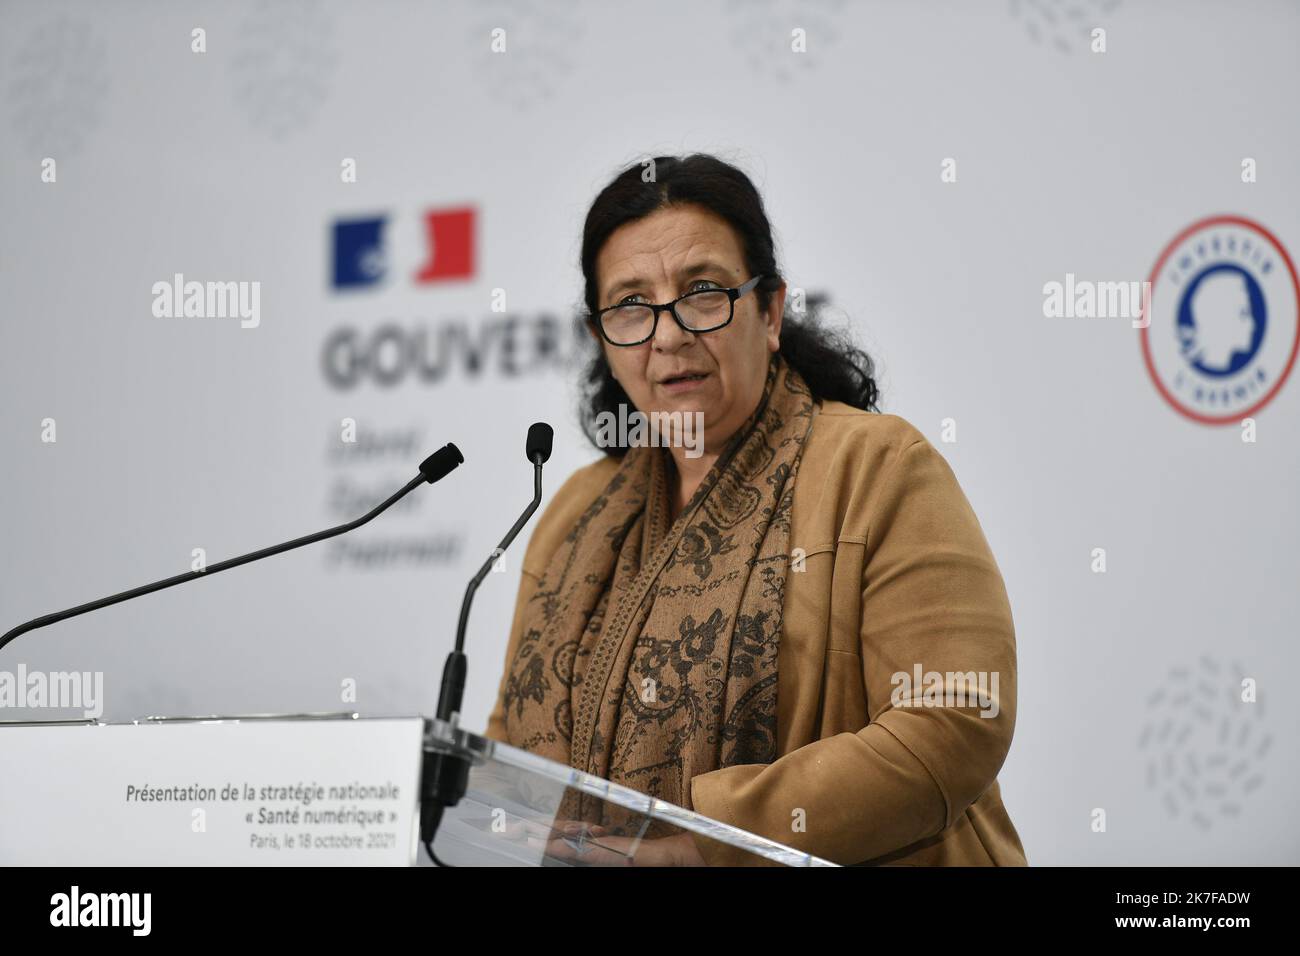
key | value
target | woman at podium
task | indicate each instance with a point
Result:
(766, 602)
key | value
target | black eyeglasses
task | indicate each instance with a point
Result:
(705, 310)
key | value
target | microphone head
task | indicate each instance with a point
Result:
(446, 459)
(540, 436)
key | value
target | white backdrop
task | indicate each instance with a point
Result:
(183, 433)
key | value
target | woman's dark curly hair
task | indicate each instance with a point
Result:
(828, 361)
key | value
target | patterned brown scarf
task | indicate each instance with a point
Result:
(649, 651)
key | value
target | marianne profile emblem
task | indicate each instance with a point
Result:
(1223, 328)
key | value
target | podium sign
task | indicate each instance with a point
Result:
(222, 791)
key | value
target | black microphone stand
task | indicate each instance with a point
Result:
(436, 466)
(445, 774)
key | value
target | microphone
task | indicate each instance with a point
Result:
(540, 437)
(538, 449)
(446, 775)
(438, 465)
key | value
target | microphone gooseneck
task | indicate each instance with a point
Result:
(451, 694)
(445, 774)
(433, 468)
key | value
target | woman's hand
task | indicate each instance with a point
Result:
(598, 848)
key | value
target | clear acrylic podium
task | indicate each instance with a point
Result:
(523, 810)
(326, 789)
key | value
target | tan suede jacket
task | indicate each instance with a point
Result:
(898, 579)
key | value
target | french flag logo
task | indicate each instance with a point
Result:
(379, 251)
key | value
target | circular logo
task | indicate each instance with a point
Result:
(1224, 320)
